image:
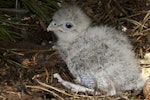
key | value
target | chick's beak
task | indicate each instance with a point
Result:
(54, 28)
(50, 27)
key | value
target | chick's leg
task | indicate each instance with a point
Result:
(72, 86)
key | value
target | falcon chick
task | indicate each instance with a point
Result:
(98, 57)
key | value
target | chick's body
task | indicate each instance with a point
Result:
(98, 57)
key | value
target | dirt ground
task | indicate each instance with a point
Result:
(27, 66)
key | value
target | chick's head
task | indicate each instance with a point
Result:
(69, 22)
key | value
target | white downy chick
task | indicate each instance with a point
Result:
(98, 57)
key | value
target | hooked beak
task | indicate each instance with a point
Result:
(54, 28)
(50, 27)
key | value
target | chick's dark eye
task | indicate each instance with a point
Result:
(69, 25)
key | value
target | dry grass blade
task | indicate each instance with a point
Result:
(145, 20)
(26, 51)
(44, 89)
(139, 25)
(51, 87)
(134, 22)
(147, 17)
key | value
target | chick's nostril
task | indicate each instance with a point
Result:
(55, 24)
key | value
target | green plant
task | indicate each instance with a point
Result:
(10, 19)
